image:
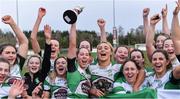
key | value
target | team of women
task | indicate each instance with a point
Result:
(114, 72)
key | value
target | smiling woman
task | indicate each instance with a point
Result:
(37, 74)
(102, 71)
(10, 52)
(163, 77)
(130, 70)
(4, 70)
(55, 85)
(34, 63)
(4, 73)
(11, 87)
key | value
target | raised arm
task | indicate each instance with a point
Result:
(176, 29)
(153, 21)
(23, 41)
(150, 35)
(145, 20)
(72, 42)
(101, 23)
(47, 34)
(46, 64)
(165, 28)
(35, 45)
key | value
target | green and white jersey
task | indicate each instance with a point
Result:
(58, 88)
(15, 70)
(121, 86)
(52, 65)
(4, 90)
(117, 69)
(163, 82)
(148, 73)
(78, 83)
(103, 78)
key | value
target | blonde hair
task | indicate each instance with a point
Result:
(27, 61)
(109, 44)
(111, 47)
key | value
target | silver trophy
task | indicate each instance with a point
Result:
(70, 16)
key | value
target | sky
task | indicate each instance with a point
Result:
(128, 13)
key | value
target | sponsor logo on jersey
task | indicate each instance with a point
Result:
(61, 93)
(103, 84)
(86, 87)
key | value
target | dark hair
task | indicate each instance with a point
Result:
(82, 48)
(136, 50)
(165, 54)
(59, 58)
(53, 73)
(128, 60)
(86, 41)
(2, 59)
(121, 46)
(3, 46)
(166, 40)
(161, 34)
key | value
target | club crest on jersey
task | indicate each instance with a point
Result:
(37, 81)
(86, 87)
(61, 93)
(94, 73)
(109, 73)
(103, 84)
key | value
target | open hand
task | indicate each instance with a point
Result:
(17, 88)
(47, 32)
(96, 92)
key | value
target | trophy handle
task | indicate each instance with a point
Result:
(70, 16)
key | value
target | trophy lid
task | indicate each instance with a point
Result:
(70, 16)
